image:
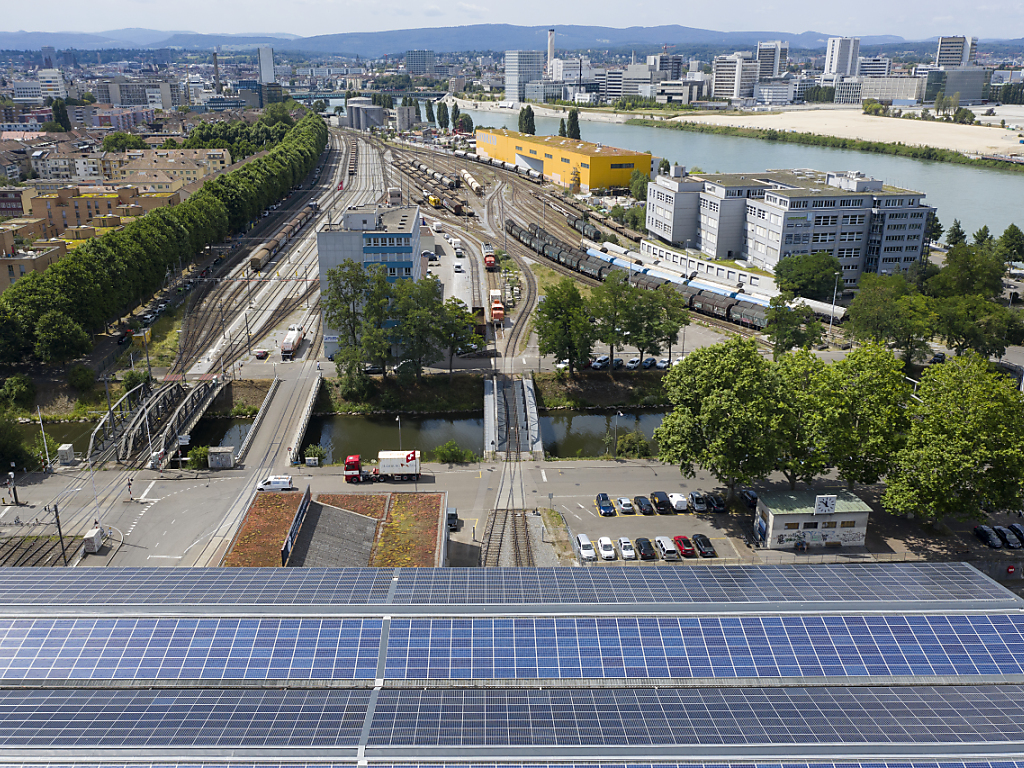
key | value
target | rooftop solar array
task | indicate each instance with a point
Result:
(186, 648)
(765, 584)
(559, 718)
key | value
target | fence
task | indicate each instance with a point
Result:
(293, 531)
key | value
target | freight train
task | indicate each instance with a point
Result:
(267, 250)
(706, 299)
(527, 173)
(353, 157)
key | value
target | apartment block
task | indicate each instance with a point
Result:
(419, 62)
(121, 119)
(522, 67)
(70, 207)
(17, 261)
(957, 51)
(734, 76)
(772, 59)
(371, 235)
(189, 165)
(15, 202)
(51, 84)
(842, 56)
(762, 218)
(154, 94)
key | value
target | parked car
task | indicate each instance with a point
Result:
(626, 549)
(715, 502)
(684, 546)
(616, 363)
(605, 548)
(625, 506)
(703, 545)
(988, 536)
(633, 364)
(261, 354)
(604, 505)
(749, 498)
(649, 362)
(1008, 537)
(646, 549)
(1018, 529)
(697, 503)
(600, 363)
(666, 548)
(662, 364)
(124, 338)
(644, 505)
(587, 552)
(662, 503)
(370, 368)
(679, 502)
(561, 365)
(937, 358)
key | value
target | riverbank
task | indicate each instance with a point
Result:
(914, 152)
(853, 124)
(540, 110)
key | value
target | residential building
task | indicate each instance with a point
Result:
(876, 66)
(567, 162)
(186, 164)
(265, 61)
(16, 261)
(772, 59)
(27, 92)
(51, 84)
(842, 56)
(762, 218)
(371, 235)
(123, 119)
(957, 51)
(70, 207)
(15, 202)
(152, 94)
(807, 519)
(522, 67)
(456, 84)
(734, 76)
(27, 228)
(419, 62)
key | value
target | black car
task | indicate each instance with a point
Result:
(1008, 537)
(703, 545)
(715, 502)
(645, 549)
(988, 536)
(1018, 529)
(372, 369)
(644, 505)
(661, 503)
(749, 499)
(937, 358)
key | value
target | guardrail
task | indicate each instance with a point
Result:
(244, 448)
(293, 530)
(300, 431)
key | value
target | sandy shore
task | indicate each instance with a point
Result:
(854, 124)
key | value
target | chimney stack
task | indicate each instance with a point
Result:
(216, 72)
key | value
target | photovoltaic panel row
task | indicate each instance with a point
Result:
(43, 719)
(727, 716)
(181, 718)
(518, 764)
(717, 647)
(889, 583)
(183, 648)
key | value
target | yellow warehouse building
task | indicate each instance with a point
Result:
(567, 162)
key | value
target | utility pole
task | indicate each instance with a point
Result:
(60, 535)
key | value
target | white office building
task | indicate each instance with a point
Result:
(570, 70)
(673, 65)
(772, 59)
(521, 67)
(876, 66)
(51, 84)
(762, 218)
(957, 51)
(419, 62)
(842, 56)
(734, 76)
(371, 235)
(265, 58)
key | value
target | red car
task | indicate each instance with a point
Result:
(261, 354)
(684, 546)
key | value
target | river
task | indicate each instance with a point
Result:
(975, 196)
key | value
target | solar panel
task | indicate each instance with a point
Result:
(888, 583)
(180, 718)
(189, 648)
(532, 764)
(705, 646)
(687, 717)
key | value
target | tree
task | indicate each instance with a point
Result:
(862, 406)
(319, 106)
(725, 414)
(811, 275)
(956, 234)
(416, 308)
(673, 315)
(343, 300)
(60, 339)
(638, 181)
(374, 331)
(277, 113)
(88, 97)
(933, 229)
(965, 445)
(1011, 244)
(563, 326)
(940, 103)
(430, 112)
(51, 126)
(12, 446)
(953, 102)
(801, 449)
(885, 310)
(664, 166)
(644, 323)
(455, 113)
(522, 119)
(969, 269)
(982, 236)
(572, 126)
(119, 142)
(454, 327)
(529, 122)
(790, 328)
(973, 322)
(18, 390)
(611, 303)
(442, 116)
(464, 124)
(60, 114)
(561, 127)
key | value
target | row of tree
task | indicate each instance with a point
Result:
(616, 313)
(48, 313)
(950, 450)
(382, 323)
(570, 129)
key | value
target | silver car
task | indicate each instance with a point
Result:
(626, 548)
(697, 503)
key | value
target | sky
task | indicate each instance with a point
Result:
(911, 19)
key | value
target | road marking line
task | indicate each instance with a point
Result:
(544, 475)
(165, 557)
(148, 489)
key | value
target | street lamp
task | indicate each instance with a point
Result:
(615, 439)
(399, 420)
(831, 316)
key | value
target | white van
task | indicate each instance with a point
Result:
(437, 226)
(666, 548)
(276, 483)
(587, 553)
